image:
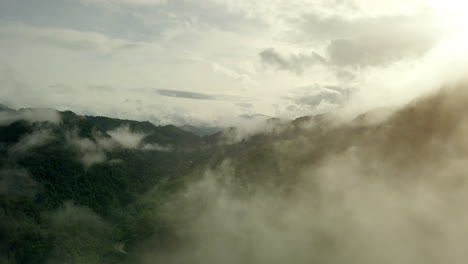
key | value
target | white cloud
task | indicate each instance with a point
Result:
(90, 152)
(213, 47)
(244, 77)
(68, 39)
(294, 63)
(156, 147)
(33, 140)
(126, 2)
(126, 138)
(30, 115)
(94, 150)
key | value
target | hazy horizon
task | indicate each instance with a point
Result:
(212, 62)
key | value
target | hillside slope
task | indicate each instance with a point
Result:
(100, 190)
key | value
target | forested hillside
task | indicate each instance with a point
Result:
(69, 191)
(78, 189)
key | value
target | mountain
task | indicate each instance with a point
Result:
(164, 135)
(80, 189)
(5, 108)
(200, 131)
(74, 165)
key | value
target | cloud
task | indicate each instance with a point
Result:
(324, 193)
(245, 105)
(30, 115)
(374, 41)
(315, 99)
(127, 2)
(95, 150)
(156, 147)
(293, 63)
(185, 94)
(17, 182)
(101, 88)
(343, 52)
(314, 95)
(78, 223)
(33, 140)
(359, 42)
(72, 215)
(249, 125)
(68, 39)
(219, 69)
(90, 151)
(126, 138)
(215, 45)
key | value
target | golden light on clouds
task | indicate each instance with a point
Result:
(240, 52)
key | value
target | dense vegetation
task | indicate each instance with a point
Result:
(55, 209)
(67, 195)
(79, 189)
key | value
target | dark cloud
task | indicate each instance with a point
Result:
(293, 63)
(187, 95)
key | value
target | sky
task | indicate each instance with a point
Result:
(215, 62)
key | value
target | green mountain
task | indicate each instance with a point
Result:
(80, 189)
(74, 168)
(200, 131)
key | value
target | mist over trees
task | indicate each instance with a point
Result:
(317, 189)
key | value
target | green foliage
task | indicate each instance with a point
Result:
(78, 214)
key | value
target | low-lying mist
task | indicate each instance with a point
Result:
(320, 191)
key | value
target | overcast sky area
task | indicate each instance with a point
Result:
(213, 61)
